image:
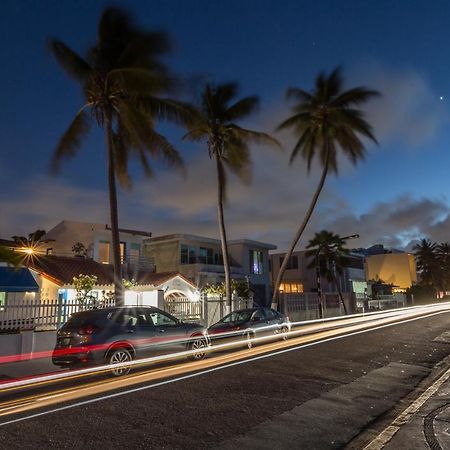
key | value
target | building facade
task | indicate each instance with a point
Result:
(299, 277)
(200, 260)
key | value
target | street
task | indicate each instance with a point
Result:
(321, 396)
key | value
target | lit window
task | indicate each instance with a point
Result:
(103, 252)
(291, 287)
(123, 254)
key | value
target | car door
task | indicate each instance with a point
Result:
(274, 321)
(259, 323)
(170, 334)
(138, 330)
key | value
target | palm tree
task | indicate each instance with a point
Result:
(329, 255)
(122, 79)
(443, 256)
(427, 262)
(228, 145)
(326, 120)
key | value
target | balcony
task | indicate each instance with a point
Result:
(138, 261)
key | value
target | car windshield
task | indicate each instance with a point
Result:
(238, 316)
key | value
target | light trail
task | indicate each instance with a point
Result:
(314, 326)
(308, 327)
(200, 367)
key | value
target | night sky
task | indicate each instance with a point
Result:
(398, 195)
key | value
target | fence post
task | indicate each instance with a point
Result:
(205, 312)
(59, 313)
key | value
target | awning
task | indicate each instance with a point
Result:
(13, 280)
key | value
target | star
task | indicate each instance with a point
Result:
(441, 98)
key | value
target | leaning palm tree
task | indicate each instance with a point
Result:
(122, 79)
(326, 121)
(33, 240)
(228, 145)
(328, 255)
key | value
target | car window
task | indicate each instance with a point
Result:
(158, 318)
(258, 315)
(237, 316)
(271, 314)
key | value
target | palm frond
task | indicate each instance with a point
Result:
(71, 140)
(73, 64)
(256, 137)
(242, 108)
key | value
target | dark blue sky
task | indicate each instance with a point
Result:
(399, 47)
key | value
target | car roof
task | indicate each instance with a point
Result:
(111, 309)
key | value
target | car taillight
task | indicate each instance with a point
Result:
(88, 329)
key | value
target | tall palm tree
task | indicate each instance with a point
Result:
(326, 120)
(122, 79)
(228, 145)
(329, 255)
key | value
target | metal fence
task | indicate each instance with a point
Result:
(305, 306)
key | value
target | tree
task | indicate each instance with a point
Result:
(326, 121)
(9, 256)
(328, 253)
(228, 146)
(122, 79)
(32, 241)
(427, 263)
(83, 285)
(443, 257)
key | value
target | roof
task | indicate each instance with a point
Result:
(62, 269)
(203, 239)
(21, 280)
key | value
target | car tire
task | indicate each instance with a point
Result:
(249, 336)
(196, 345)
(117, 356)
(284, 333)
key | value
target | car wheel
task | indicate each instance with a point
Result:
(249, 337)
(198, 347)
(117, 356)
(284, 333)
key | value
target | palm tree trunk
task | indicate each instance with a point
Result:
(339, 290)
(223, 235)
(297, 236)
(118, 287)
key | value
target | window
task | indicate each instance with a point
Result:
(291, 287)
(256, 262)
(206, 255)
(162, 319)
(2, 300)
(103, 252)
(259, 315)
(218, 260)
(292, 263)
(272, 314)
(188, 255)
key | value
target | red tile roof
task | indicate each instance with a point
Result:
(62, 269)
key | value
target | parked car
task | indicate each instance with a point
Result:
(116, 335)
(245, 324)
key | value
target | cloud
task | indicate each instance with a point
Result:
(408, 111)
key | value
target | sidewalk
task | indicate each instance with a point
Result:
(27, 368)
(425, 424)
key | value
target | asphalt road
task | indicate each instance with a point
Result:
(315, 397)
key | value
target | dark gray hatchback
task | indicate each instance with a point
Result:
(116, 335)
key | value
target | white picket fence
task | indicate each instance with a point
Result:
(50, 315)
